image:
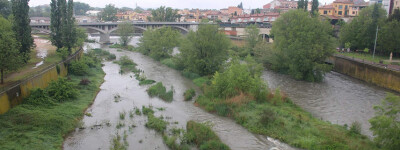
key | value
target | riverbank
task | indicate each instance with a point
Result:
(37, 127)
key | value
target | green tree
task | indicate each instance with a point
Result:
(109, 13)
(9, 54)
(314, 7)
(159, 43)
(306, 5)
(163, 14)
(240, 5)
(360, 32)
(69, 28)
(22, 28)
(386, 123)
(5, 8)
(252, 37)
(56, 24)
(389, 37)
(125, 31)
(81, 8)
(395, 15)
(302, 44)
(300, 4)
(203, 52)
(81, 37)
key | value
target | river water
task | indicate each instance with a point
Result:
(96, 134)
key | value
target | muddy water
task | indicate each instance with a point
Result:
(97, 135)
(43, 46)
(339, 99)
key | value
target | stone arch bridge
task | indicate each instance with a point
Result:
(105, 29)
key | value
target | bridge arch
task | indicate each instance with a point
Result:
(137, 27)
(185, 31)
(96, 29)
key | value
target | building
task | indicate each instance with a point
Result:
(127, 15)
(385, 4)
(93, 12)
(255, 18)
(395, 5)
(342, 7)
(282, 5)
(356, 8)
(327, 10)
(235, 10)
(40, 20)
(86, 19)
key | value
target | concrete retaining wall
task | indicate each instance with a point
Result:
(370, 73)
(14, 94)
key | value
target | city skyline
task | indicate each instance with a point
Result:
(180, 4)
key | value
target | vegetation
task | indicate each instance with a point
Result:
(202, 136)
(125, 31)
(239, 93)
(160, 91)
(386, 123)
(203, 52)
(32, 125)
(126, 64)
(22, 28)
(252, 37)
(78, 67)
(81, 8)
(9, 49)
(5, 8)
(163, 14)
(62, 90)
(108, 13)
(189, 94)
(301, 45)
(159, 43)
(156, 123)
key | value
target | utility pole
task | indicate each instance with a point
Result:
(376, 36)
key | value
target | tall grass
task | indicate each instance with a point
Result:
(160, 91)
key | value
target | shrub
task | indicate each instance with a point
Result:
(200, 81)
(146, 82)
(156, 123)
(189, 94)
(90, 61)
(127, 64)
(201, 134)
(111, 57)
(147, 110)
(39, 97)
(62, 90)
(190, 75)
(267, 116)
(78, 68)
(214, 145)
(169, 62)
(355, 128)
(84, 81)
(160, 91)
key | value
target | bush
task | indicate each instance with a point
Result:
(268, 116)
(156, 123)
(200, 81)
(84, 81)
(189, 94)
(202, 135)
(147, 110)
(111, 57)
(190, 75)
(62, 90)
(146, 82)
(160, 91)
(78, 68)
(355, 128)
(214, 145)
(39, 97)
(169, 62)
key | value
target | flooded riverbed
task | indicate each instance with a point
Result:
(100, 128)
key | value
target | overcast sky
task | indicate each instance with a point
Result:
(202, 4)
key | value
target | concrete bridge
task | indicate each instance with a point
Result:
(105, 29)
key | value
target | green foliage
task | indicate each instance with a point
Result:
(160, 91)
(214, 145)
(201, 81)
(170, 63)
(355, 128)
(314, 7)
(111, 57)
(301, 44)
(81, 37)
(386, 125)
(189, 94)
(155, 123)
(163, 14)
(81, 8)
(63, 53)
(252, 37)
(202, 135)
(203, 52)
(9, 54)
(62, 90)
(119, 143)
(39, 97)
(146, 82)
(58, 11)
(78, 67)
(108, 13)
(147, 110)
(366, 50)
(159, 43)
(68, 27)
(22, 28)
(125, 32)
(5, 8)
(360, 32)
(263, 52)
(389, 37)
(126, 64)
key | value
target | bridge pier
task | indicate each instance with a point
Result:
(104, 38)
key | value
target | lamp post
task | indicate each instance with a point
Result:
(376, 36)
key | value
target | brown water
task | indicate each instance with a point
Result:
(104, 110)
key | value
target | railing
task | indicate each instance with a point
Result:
(38, 73)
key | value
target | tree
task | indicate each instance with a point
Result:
(109, 13)
(81, 37)
(69, 28)
(9, 53)
(252, 38)
(56, 24)
(163, 14)
(5, 8)
(300, 4)
(22, 28)
(360, 32)
(306, 5)
(40, 11)
(125, 31)
(314, 7)
(395, 15)
(240, 5)
(81, 8)
(203, 52)
(159, 43)
(302, 44)
(386, 123)
(389, 37)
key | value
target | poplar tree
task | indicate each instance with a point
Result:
(22, 28)
(300, 4)
(314, 7)
(56, 23)
(9, 54)
(69, 29)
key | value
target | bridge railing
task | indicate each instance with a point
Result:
(40, 72)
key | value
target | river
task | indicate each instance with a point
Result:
(97, 135)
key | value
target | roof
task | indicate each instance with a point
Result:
(326, 7)
(344, 1)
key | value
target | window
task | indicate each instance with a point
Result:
(329, 11)
(340, 6)
(354, 12)
(325, 12)
(340, 12)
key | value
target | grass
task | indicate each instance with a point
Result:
(160, 91)
(286, 122)
(126, 64)
(122, 115)
(156, 123)
(169, 62)
(368, 57)
(147, 110)
(189, 94)
(31, 127)
(202, 136)
(119, 143)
